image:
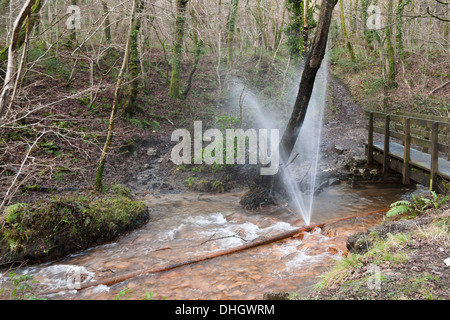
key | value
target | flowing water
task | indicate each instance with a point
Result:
(184, 226)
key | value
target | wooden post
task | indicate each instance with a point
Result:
(407, 152)
(386, 147)
(370, 141)
(434, 167)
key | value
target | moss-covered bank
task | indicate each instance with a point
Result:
(52, 228)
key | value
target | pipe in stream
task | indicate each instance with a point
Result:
(255, 243)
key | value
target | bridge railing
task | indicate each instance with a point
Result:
(430, 133)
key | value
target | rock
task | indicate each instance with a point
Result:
(333, 250)
(151, 152)
(339, 150)
(276, 296)
(299, 236)
(447, 262)
(358, 243)
(334, 182)
(128, 147)
(359, 161)
(325, 184)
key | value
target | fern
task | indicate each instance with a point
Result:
(399, 207)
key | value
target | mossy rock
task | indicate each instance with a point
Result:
(53, 228)
(257, 196)
(204, 186)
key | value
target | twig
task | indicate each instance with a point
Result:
(5, 199)
(224, 237)
(438, 88)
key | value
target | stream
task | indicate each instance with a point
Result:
(187, 225)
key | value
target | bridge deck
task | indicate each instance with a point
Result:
(418, 159)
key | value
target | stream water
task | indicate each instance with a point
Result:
(183, 226)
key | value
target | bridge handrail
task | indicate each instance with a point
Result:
(431, 134)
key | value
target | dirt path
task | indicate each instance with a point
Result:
(346, 125)
(344, 132)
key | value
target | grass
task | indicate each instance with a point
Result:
(349, 279)
(381, 251)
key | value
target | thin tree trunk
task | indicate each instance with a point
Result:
(312, 66)
(11, 70)
(129, 105)
(197, 55)
(101, 164)
(399, 34)
(73, 34)
(344, 31)
(35, 7)
(305, 29)
(231, 28)
(22, 64)
(390, 47)
(174, 90)
(264, 41)
(354, 16)
(108, 36)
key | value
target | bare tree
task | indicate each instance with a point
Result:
(312, 66)
(11, 72)
(102, 161)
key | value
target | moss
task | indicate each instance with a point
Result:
(52, 228)
(11, 212)
(190, 182)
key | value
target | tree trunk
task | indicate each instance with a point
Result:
(73, 35)
(35, 7)
(108, 36)
(355, 16)
(197, 55)
(390, 47)
(261, 191)
(344, 31)
(11, 70)
(399, 34)
(312, 66)
(101, 164)
(263, 38)
(174, 90)
(305, 29)
(231, 28)
(129, 104)
(368, 34)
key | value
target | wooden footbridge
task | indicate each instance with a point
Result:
(416, 146)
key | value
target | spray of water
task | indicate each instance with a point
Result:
(300, 175)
